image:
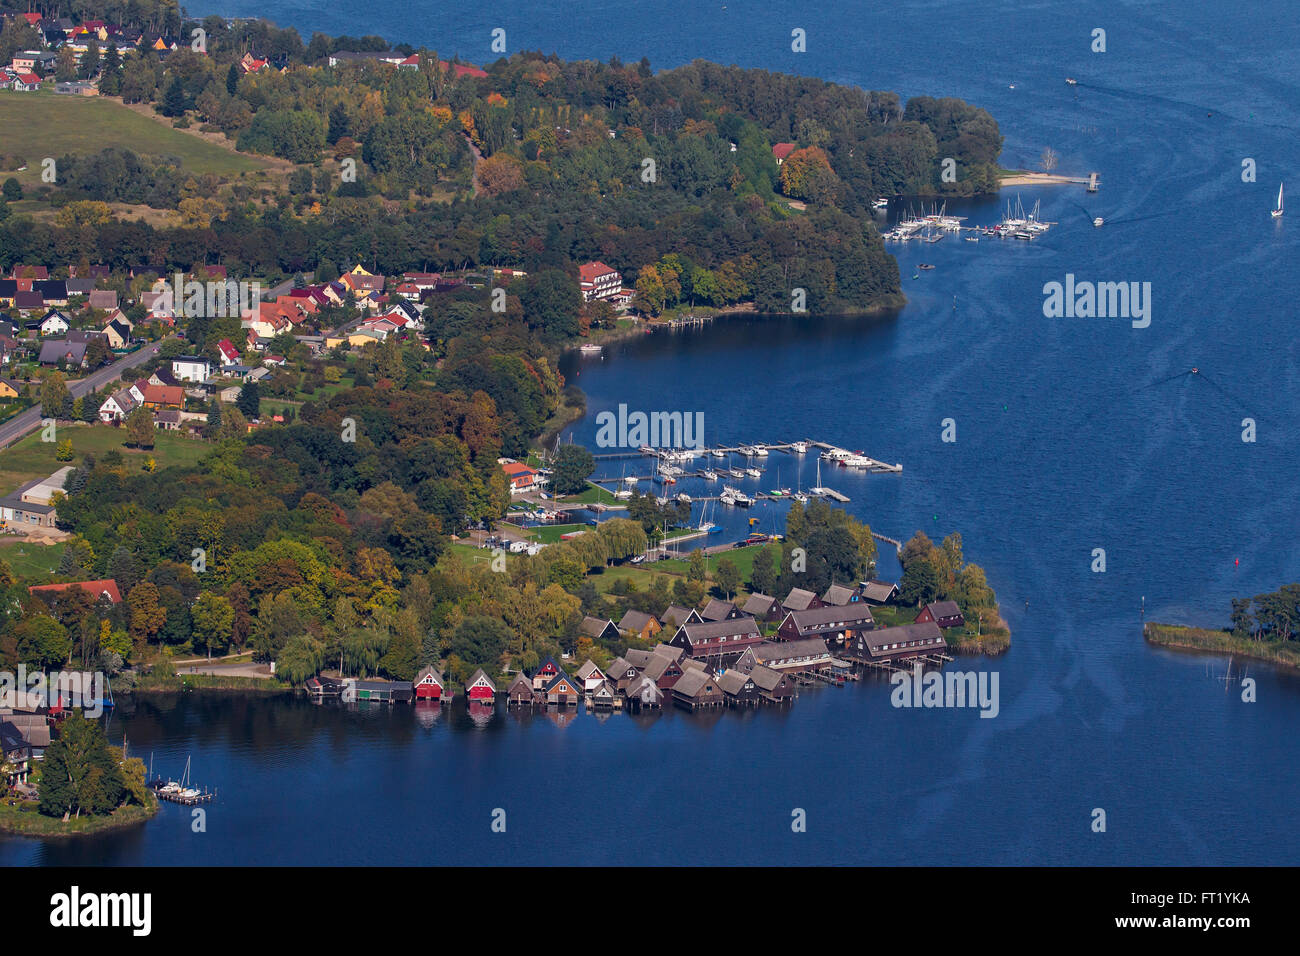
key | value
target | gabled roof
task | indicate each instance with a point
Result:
(716, 610)
(942, 609)
(693, 682)
(104, 586)
(679, 614)
(798, 599)
(832, 616)
(766, 678)
(589, 669)
(562, 678)
(636, 620)
(759, 605)
(839, 595)
(522, 682)
(879, 591)
(733, 681)
(429, 671)
(480, 673)
(594, 626)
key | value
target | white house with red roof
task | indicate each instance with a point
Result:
(598, 281)
(229, 354)
(519, 476)
(781, 150)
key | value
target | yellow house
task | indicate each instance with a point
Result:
(8, 389)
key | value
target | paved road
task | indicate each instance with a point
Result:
(20, 425)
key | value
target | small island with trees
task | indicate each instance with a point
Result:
(1265, 627)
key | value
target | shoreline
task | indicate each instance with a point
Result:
(12, 820)
(1026, 178)
(1208, 641)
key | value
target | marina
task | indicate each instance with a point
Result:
(937, 224)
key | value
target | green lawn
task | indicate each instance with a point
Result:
(594, 494)
(29, 560)
(44, 124)
(32, 458)
(550, 534)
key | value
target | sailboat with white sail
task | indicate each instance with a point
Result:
(1277, 212)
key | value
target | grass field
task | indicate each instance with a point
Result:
(44, 124)
(29, 560)
(33, 458)
(593, 495)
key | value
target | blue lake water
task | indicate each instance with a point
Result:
(1072, 434)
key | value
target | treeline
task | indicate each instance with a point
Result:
(1272, 616)
(940, 573)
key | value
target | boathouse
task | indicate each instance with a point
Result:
(663, 670)
(724, 640)
(773, 686)
(697, 689)
(642, 692)
(520, 693)
(563, 690)
(809, 654)
(604, 696)
(621, 672)
(429, 685)
(320, 688)
(591, 676)
(800, 600)
(738, 688)
(897, 643)
(640, 625)
(831, 623)
(943, 613)
(480, 688)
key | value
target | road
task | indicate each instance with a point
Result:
(20, 425)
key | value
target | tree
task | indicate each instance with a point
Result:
(249, 402)
(144, 612)
(232, 80)
(54, 395)
(43, 642)
(763, 577)
(212, 619)
(175, 102)
(79, 772)
(695, 571)
(572, 467)
(12, 190)
(1049, 159)
(480, 641)
(920, 582)
(727, 577)
(64, 450)
(300, 659)
(140, 428)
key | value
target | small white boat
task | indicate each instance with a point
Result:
(972, 238)
(746, 450)
(1277, 213)
(753, 473)
(684, 497)
(708, 474)
(719, 453)
(1072, 81)
(800, 497)
(736, 473)
(623, 494)
(881, 203)
(1099, 222)
(591, 349)
(760, 451)
(630, 480)
(799, 447)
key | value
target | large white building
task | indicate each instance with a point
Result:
(598, 281)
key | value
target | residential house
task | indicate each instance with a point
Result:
(943, 613)
(53, 322)
(118, 405)
(898, 643)
(105, 299)
(839, 595)
(718, 610)
(546, 673)
(104, 589)
(781, 151)
(228, 353)
(118, 334)
(598, 630)
(9, 389)
(761, 607)
(800, 600)
(878, 592)
(55, 350)
(676, 616)
(191, 368)
(724, 640)
(663, 670)
(168, 420)
(810, 654)
(833, 624)
(621, 672)
(640, 625)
